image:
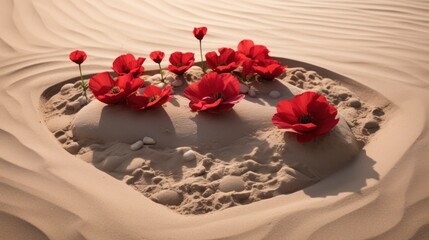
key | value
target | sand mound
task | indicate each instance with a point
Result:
(199, 162)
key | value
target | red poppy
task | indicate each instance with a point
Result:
(152, 97)
(247, 49)
(112, 91)
(308, 115)
(180, 62)
(247, 68)
(214, 93)
(200, 32)
(269, 69)
(127, 63)
(157, 56)
(78, 56)
(227, 60)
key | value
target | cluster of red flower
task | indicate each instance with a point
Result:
(307, 115)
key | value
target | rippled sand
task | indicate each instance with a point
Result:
(46, 194)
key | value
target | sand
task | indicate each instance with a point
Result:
(196, 163)
(46, 193)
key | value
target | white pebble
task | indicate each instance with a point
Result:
(189, 156)
(177, 83)
(275, 94)
(74, 106)
(149, 141)
(244, 88)
(161, 85)
(82, 100)
(252, 92)
(137, 145)
(65, 89)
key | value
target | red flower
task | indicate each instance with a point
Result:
(180, 62)
(200, 32)
(112, 91)
(247, 69)
(152, 97)
(214, 93)
(247, 49)
(78, 56)
(308, 115)
(157, 56)
(227, 60)
(127, 63)
(269, 69)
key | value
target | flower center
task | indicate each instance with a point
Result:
(218, 95)
(305, 119)
(222, 64)
(115, 90)
(179, 64)
(153, 98)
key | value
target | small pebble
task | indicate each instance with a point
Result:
(215, 175)
(82, 100)
(378, 112)
(72, 147)
(231, 183)
(148, 174)
(371, 124)
(354, 103)
(149, 141)
(252, 92)
(168, 197)
(299, 75)
(177, 83)
(62, 139)
(65, 89)
(161, 85)
(244, 88)
(241, 196)
(195, 68)
(275, 94)
(136, 146)
(74, 106)
(208, 192)
(189, 156)
(157, 179)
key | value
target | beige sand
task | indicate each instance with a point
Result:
(237, 157)
(47, 194)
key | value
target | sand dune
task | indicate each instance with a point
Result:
(45, 193)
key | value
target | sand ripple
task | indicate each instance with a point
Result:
(47, 194)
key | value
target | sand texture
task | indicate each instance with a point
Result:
(211, 162)
(375, 52)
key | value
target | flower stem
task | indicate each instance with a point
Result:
(83, 84)
(160, 71)
(202, 62)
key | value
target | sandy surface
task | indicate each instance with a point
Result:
(47, 194)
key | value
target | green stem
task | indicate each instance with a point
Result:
(202, 62)
(83, 84)
(160, 71)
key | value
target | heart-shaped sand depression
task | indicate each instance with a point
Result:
(203, 162)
